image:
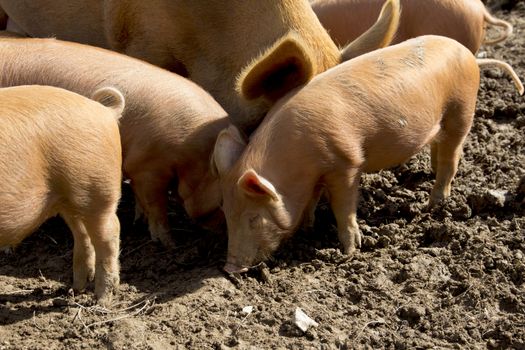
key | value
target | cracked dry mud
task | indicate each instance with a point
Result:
(450, 278)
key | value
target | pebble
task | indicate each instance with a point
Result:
(302, 320)
(497, 197)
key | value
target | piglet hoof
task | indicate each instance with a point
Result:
(82, 277)
(79, 285)
(105, 300)
(357, 238)
(104, 293)
(350, 241)
(349, 250)
(434, 202)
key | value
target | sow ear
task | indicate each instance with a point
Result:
(284, 66)
(256, 185)
(228, 148)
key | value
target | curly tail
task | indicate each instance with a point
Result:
(505, 66)
(112, 98)
(499, 23)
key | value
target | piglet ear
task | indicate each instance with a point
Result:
(255, 185)
(228, 148)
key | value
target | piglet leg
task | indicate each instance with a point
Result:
(343, 189)
(104, 232)
(309, 214)
(151, 191)
(446, 151)
(447, 164)
(83, 253)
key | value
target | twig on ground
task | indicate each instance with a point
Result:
(42, 275)
(236, 330)
(21, 291)
(79, 316)
(34, 322)
(146, 304)
(96, 309)
(379, 321)
(136, 248)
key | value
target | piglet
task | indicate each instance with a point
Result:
(462, 20)
(168, 128)
(60, 154)
(370, 113)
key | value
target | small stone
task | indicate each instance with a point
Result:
(302, 320)
(482, 54)
(247, 310)
(497, 197)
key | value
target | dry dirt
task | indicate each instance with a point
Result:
(451, 278)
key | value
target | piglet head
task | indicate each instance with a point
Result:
(205, 197)
(256, 215)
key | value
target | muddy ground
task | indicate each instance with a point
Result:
(451, 278)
